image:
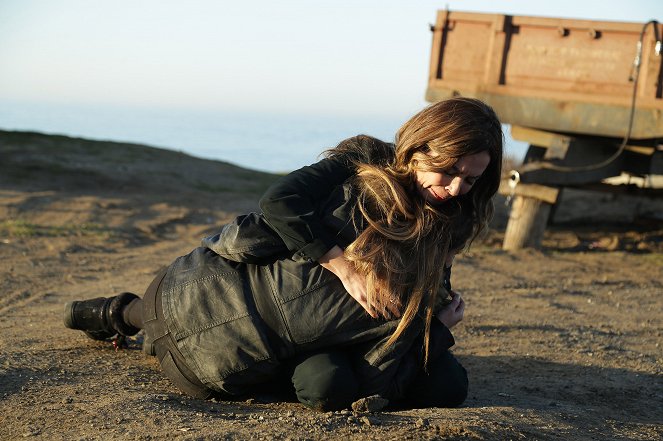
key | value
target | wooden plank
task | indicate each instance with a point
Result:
(589, 118)
(471, 16)
(542, 138)
(535, 191)
(564, 99)
(572, 23)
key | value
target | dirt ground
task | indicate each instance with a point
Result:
(563, 343)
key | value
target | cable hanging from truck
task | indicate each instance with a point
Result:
(634, 78)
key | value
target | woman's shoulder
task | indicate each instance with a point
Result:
(363, 149)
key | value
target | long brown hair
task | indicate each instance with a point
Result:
(404, 241)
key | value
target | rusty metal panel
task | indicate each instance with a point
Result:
(562, 75)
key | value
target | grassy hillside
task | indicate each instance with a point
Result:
(54, 162)
(57, 186)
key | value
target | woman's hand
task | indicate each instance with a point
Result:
(353, 282)
(452, 314)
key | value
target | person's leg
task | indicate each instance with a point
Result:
(105, 317)
(443, 385)
(325, 380)
(101, 318)
(126, 314)
(133, 313)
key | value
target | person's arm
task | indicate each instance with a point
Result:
(389, 371)
(353, 282)
(290, 206)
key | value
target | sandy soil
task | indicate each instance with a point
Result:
(563, 343)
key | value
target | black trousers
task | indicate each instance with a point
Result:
(323, 380)
(326, 381)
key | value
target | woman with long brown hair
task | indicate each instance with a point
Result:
(268, 295)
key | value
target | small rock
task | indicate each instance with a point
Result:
(31, 431)
(370, 421)
(373, 403)
(421, 422)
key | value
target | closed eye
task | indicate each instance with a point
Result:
(452, 171)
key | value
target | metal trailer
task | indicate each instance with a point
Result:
(586, 95)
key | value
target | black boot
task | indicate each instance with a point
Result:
(100, 318)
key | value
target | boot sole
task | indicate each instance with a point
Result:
(68, 315)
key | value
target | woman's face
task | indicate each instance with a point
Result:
(437, 187)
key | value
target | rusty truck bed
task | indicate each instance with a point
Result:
(563, 75)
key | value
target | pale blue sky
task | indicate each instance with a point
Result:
(336, 57)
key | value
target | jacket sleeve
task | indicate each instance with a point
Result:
(389, 371)
(247, 239)
(292, 205)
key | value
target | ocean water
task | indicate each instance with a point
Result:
(260, 141)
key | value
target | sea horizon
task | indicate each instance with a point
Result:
(270, 142)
